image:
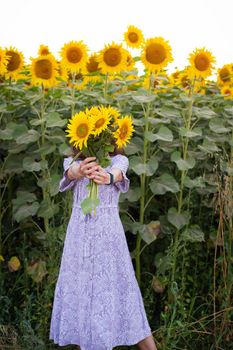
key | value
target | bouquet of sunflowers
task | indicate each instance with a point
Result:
(92, 132)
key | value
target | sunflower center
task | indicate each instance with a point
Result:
(82, 130)
(43, 69)
(112, 57)
(155, 53)
(14, 61)
(92, 65)
(99, 123)
(185, 81)
(74, 55)
(44, 52)
(123, 131)
(202, 62)
(224, 74)
(133, 37)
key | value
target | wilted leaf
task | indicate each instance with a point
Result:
(37, 271)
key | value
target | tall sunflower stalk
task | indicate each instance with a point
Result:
(44, 73)
(92, 132)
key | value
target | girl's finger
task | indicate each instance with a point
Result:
(88, 159)
(99, 182)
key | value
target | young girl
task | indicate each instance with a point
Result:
(97, 302)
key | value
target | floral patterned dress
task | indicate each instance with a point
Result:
(97, 301)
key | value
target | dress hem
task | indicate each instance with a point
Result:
(127, 343)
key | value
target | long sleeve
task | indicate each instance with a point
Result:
(121, 162)
(65, 182)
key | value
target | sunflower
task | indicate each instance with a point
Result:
(134, 37)
(43, 50)
(3, 61)
(202, 62)
(156, 54)
(79, 129)
(113, 58)
(76, 80)
(15, 63)
(173, 77)
(130, 63)
(155, 81)
(183, 80)
(100, 117)
(44, 71)
(63, 72)
(124, 131)
(74, 56)
(225, 75)
(92, 69)
(227, 91)
(113, 113)
(92, 64)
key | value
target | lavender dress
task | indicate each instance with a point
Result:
(97, 301)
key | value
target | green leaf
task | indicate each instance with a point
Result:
(182, 164)
(6, 134)
(162, 262)
(89, 204)
(164, 134)
(47, 209)
(25, 210)
(208, 146)
(178, 220)
(23, 197)
(53, 119)
(47, 148)
(164, 183)
(193, 234)
(143, 98)
(54, 184)
(190, 133)
(217, 126)
(132, 195)
(14, 164)
(28, 137)
(135, 146)
(139, 168)
(36, 122)
(204, 112)
(29, 164)
(137, 227)
(18, 129)
(64, 149)
(198, 182)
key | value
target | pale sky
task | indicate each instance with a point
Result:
(186, 24)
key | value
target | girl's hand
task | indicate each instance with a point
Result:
(85, 168)
(100, 176)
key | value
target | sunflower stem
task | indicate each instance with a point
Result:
(143, 190)
(106, 85)
(45, 174)
(73, 95)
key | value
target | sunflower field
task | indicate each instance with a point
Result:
(178, 213)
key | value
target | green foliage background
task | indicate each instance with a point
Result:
(177, 214)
